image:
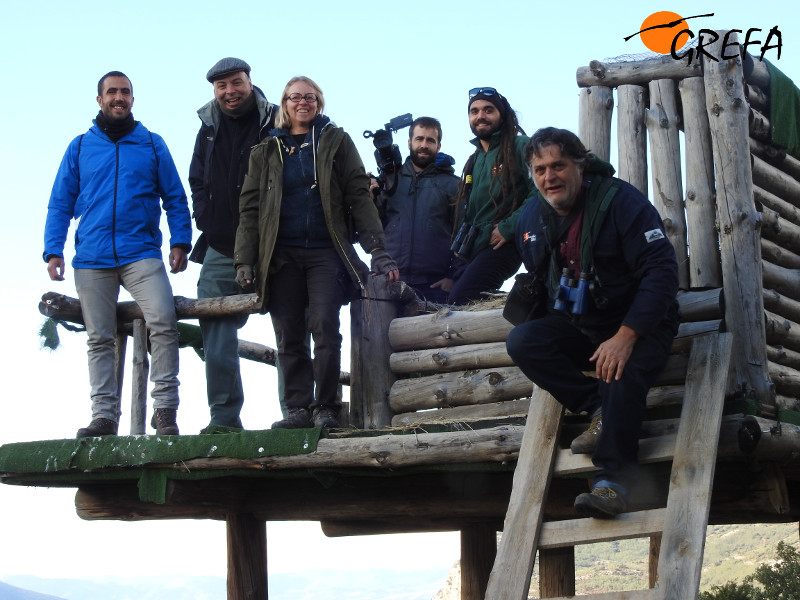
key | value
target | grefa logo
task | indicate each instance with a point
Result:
(667, 32)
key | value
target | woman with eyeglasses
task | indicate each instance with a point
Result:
(303, 185)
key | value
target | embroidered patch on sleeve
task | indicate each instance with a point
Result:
(653, 235)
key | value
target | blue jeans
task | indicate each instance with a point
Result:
(553, 353)
(221, 342)
(98, 290)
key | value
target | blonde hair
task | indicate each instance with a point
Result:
(283, 121)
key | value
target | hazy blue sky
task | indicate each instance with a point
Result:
(374, 61)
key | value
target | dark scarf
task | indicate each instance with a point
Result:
(248, 104)
(116, 130)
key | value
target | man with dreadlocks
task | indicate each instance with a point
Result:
(494, 186)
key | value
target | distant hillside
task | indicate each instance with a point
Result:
(731, 552)
(10, 592)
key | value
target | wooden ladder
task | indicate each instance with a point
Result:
(682, 523)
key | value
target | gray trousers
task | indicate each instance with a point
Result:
(98, 290)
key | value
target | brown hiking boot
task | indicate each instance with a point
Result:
(98, 427)
(586, 442)
(326, 417)
(163, 421)
(601, 503)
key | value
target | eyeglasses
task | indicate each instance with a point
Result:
(310, 98)
(484, 91)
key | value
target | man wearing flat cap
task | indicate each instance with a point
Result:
(494, 186)
(236, 119)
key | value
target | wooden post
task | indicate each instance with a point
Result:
(739, 224)
(667, 196)
(141, 369)
(596, 105)
(478, 551)
(655, 552)
(632, 136)
(247, 557)
(120, 349)
(370, 376)
(705, 270)
(557, 572)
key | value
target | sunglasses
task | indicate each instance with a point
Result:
(484, 91)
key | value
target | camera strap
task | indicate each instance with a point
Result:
(464, 193)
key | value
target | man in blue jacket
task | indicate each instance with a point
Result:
(618, 317)
(235, 120)
(111, 180)
(418, 217)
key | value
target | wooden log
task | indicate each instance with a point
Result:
(772, 252)
(478, 551)
(448, 328)
(777, 157)
(759, 125)
(247, 557)
(120, 350)
(783, 356)
(781, 305)
(141, 369)
(480, 386)
(511, 574)
(595, 106)
(780, 231)
(774, 180)
(639, 72)
(557, 572)
(787, 402)
(756, 97)
(785, 210)
(784, 281)
(65, 308)
(662, 126)
(457, 358)
(691, 482)
(785, 378)
(782, 332)
(369, 357)
(701, 305)
(739, 221)
(513, 409)
(652, 562)
(755, 72)
(632, 136)
(705, 270)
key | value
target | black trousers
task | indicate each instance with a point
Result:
(552, 352)
(487, 271)
(315, 278)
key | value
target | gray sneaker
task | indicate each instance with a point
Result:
(601, 503)
(586, 442)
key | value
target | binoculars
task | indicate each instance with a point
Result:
(572, 295)
(464, 238)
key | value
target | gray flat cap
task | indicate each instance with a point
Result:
(227, 66)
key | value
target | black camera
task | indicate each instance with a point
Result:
(387, 153)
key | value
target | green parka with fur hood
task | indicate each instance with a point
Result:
(344, 189)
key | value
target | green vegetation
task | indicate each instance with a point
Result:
(779, 580)
(732, 552)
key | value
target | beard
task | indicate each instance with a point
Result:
(422, 160)
(486, 133)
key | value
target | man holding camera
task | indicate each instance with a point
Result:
(621, 323)
(418, 216)
(237, 118)
(494, 186)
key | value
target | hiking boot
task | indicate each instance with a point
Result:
(298, 418)
(98, 427)
(586, 442)
(326, 417)
(601, 503)
(163, 421)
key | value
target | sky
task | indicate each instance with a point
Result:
(373, 61)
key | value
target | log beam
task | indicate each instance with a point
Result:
(639, 72)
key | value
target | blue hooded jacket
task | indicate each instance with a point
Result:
(115, 191)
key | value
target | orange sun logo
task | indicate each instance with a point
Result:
(659, 30)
